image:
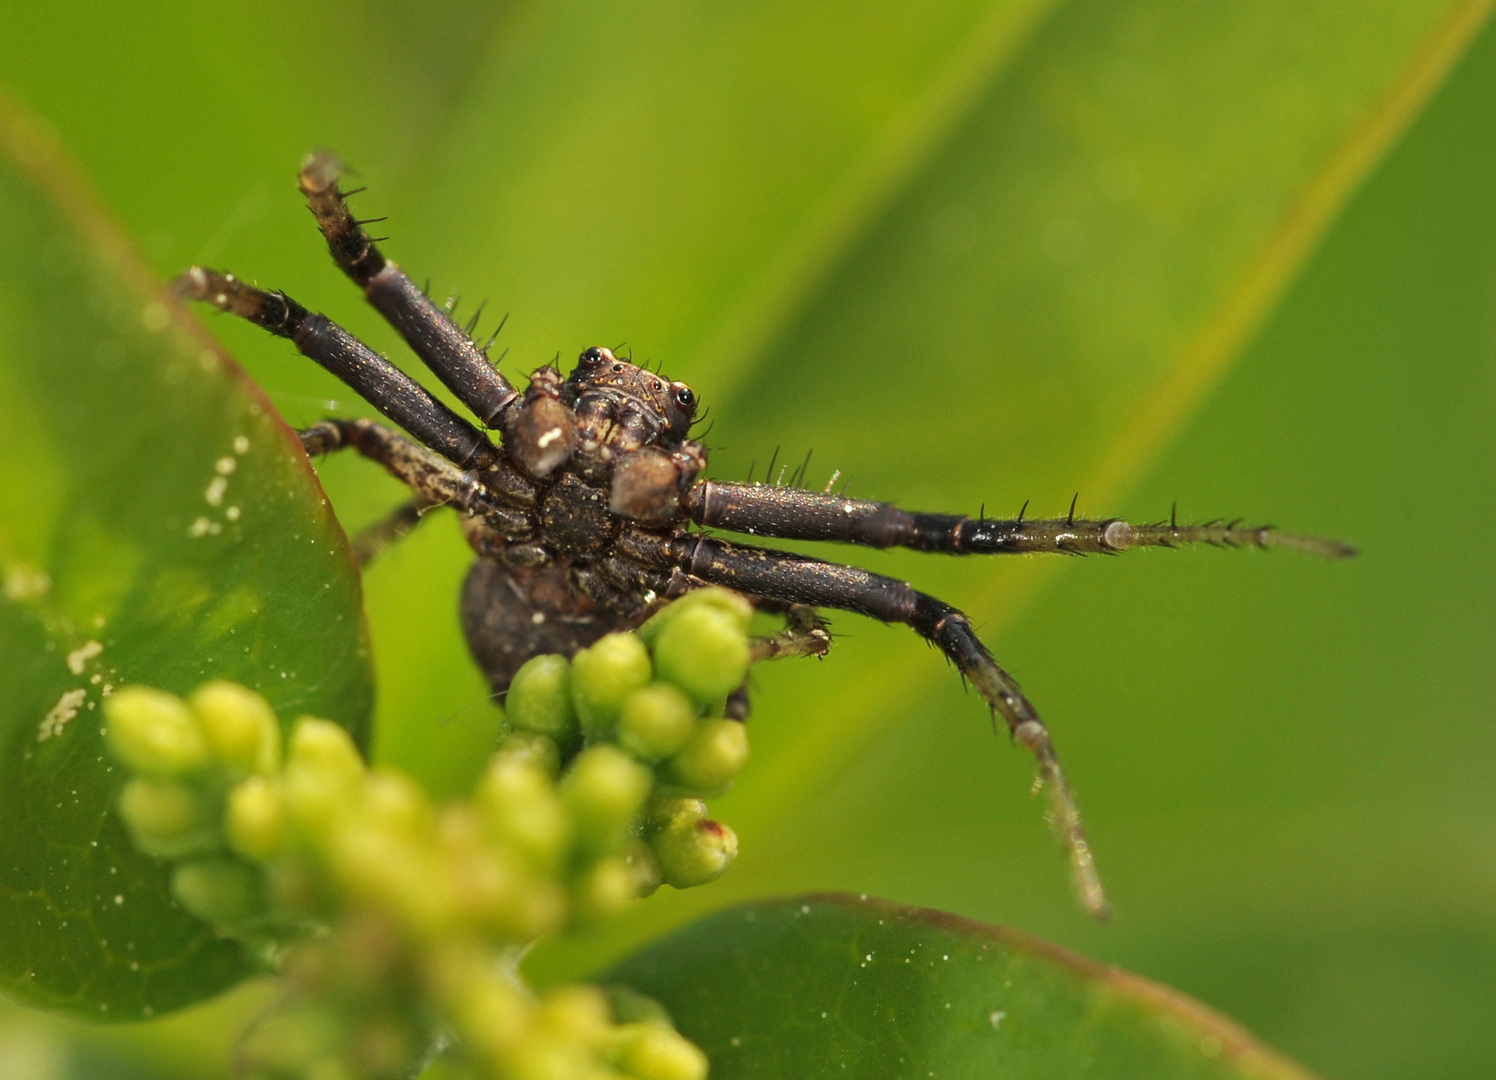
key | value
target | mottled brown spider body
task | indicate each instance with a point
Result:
(581, 513)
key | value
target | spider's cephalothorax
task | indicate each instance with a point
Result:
(579, 513)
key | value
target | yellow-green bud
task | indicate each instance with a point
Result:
(239, 726)
(631, 1007)
(256, 820)
(578, 1014)
(604, 790)
(167, 819)
(323, 774)
(395, 803)
(656, 1052)
(605, 889)
(693, 851)
(735, 605)
(539, 698)
(224, 892)
(154, 732)
(603, 676)
(529, 746)
(656, 722)
(714, 755)
(704, 651)
(520, 807)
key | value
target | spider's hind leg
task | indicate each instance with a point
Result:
(798, 579)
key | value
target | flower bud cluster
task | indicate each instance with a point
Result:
(396, 920)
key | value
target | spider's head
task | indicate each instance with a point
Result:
(630, 387)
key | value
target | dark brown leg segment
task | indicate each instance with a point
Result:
(441, 344)
(434, 481)
(796, 514)
(799, 579)
(371, 376)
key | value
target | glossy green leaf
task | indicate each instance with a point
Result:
(831, 986)
(158, 525)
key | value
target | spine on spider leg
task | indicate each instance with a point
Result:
(440, 343)
(374, 378)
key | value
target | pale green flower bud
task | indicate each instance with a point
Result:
(605, 889)
(717, 751)
(656, 722)
(704, 651)
(539, 698)
(604, 790)
(256, 820)
(735, 605)
(167, 819)
(603, 676)
(395, 803)
(531, 747)
(154, 732)
(323, 774)
(224, 892)
(520, 807)
(239, 726)
(693, 851)
(656, 1052)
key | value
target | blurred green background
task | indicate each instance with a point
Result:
(1239, 255)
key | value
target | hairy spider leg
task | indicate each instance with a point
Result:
(395, 526)
(795, 514)
(371, 376)
(435, 481)
(442, 345)
(800, 579)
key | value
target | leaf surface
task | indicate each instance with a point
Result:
(158, 525)
(831, 986)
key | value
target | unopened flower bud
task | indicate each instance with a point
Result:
(239, 726)
(578, 1014)
(224, 892)
(167, 819)
(256, 819)
(530, 746)
(154, 732)
(693, 852)
(604, 790)
(603, 676)
(714, 755)
(704, 651)
(730, 603)
(323, 773)
(604, 890)
(395, 803)
(656, 721)
(656, 1052)
(539, 698)
(520, 807)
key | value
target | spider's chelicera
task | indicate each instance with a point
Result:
(581, 511)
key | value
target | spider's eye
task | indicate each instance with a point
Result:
(592, 355)
(685, 397)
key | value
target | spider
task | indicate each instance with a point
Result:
(581, 512)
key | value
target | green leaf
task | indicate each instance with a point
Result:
(158, 525)
(832, 986)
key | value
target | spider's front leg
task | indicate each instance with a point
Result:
(789, 513)
(798, 579)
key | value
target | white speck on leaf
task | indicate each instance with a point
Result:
(78, 659)
(66, 708)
